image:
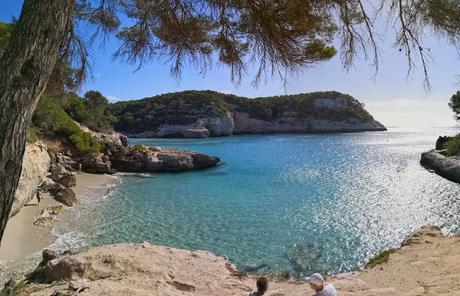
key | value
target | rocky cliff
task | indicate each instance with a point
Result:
(427, 264)
(36, 163)
(194, 114)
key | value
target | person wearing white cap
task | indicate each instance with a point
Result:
(319, 285)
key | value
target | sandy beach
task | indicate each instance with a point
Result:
(22, 238)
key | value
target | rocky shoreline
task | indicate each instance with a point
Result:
(55, 174)
(438, 161)
(240, 123)
(426, 264)
(443, 165)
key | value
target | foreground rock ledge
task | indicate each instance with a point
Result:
(427, 264)
(445, 166)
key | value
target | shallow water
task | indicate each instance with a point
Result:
(280, 203)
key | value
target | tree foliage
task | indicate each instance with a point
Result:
(92, 110)
(277, 36)
(454, 104)
(51, 117)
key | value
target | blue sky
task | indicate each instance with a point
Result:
(391, 96)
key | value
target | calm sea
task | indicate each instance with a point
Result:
(282, 203)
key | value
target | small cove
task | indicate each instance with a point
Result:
(283, 203)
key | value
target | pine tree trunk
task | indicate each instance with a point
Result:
(25, 67)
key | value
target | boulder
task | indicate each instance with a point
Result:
(66, 161)
(43, 221)
(65, 196)
(60, 269)
(68, 180)
(47, 256)
(56, 169)
(51, 211)
(124, 140)
(96, 163)
(203, 161)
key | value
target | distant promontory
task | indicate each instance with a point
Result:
(199, 114)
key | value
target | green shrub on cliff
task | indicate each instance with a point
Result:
(32, 136)
(51, 117)
(453, 145)
(380, 258)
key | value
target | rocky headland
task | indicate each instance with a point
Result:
(200, 114)
(427, 263)
(439, 161)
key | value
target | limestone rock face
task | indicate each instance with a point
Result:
(146, 159)
(203, 127)
(35, 167)
(290, 123)
(220, 126)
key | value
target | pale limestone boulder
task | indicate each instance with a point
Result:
(36, 163)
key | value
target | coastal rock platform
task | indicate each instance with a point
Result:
(445, 166)
(428, 263)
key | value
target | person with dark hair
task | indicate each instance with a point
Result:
(262, 286)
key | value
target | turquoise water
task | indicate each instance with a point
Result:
(284, 203)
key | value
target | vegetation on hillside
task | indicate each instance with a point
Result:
(269, 108)
(93, 110)
(188, 106)
(54, 121)
(452, 145)
(171, 108)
